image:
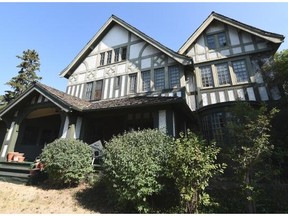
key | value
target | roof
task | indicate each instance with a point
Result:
(101, 33)
(137, 101)
(69, 103)
(273, 37)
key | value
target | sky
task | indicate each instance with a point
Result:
(58, 31)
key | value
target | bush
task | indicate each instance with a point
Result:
(134, 163)
(67, 162)
(194, 164)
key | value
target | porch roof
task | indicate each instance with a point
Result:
(69, 103)
(86, 106)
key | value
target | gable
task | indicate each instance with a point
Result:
(113, 34)
(217, 23)
(216, 39)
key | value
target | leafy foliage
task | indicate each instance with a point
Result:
(67, 162)
(250, 129)
(277, 70)
(134, 162)
(29, 65)
(193, 165)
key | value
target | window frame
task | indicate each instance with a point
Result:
(215, 38)
(239, 74)
(102, 59)
(204, 79)
(98, 91)
(132, 89)
(109, 57)
(146, 86)
(174, 81)
(223, 77)
(159, 82)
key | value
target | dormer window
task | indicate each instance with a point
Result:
(216, 41)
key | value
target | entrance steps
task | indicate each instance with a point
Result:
(15, 172)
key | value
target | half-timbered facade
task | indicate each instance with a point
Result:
(228, 56)
(124, 80)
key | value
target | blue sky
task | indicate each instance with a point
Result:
(58, 31)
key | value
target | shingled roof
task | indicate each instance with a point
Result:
(70, 103)
(83, 105)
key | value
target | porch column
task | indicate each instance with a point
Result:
(166, 122)
(10, 139)
(72, 127)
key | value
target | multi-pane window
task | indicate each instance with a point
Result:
(116, 56)
(206, 74)
(174, 77)
(211, 42)
(213, 126)
(123, 53)
(222, 41)
(217, 124)
(98, 89)
(120, 54)
(88, 92)
(102, 58)
(240, 70)
(159, 79)
(133, 83)
(216, 41)
(117, 82)
(109, 57)
(223, 74)
(146, 80)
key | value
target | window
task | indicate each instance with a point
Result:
(102, 58)
(213, 127)
(117, 82)
(174, 77)
(98, 90)
(109, 57)
(123, 53)
(240, 70)
(216, 41)
(223, 74)
(211, 42)
(133, 83)
(116, 52)
(206, 74)
(222, 39)
(159, 79)
(88, 92)
(146, 80)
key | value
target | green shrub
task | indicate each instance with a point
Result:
(133, 163)
(67, 162)
(194, 164)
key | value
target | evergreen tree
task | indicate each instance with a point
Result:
(29, 65)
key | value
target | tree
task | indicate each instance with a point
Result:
(250, 130)
(276, 72)
(29, 65)
(192, 165)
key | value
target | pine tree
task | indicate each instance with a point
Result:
(29, 65)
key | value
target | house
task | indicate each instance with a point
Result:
(124, 80)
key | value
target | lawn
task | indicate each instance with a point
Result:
(22, 199)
